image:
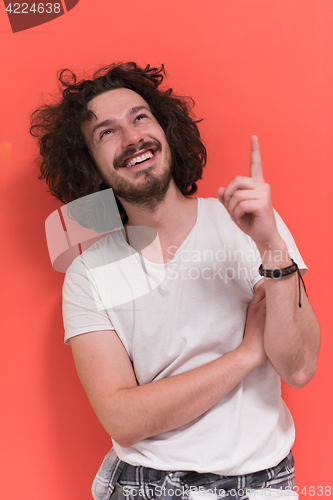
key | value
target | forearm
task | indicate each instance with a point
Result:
(292, 333)
(140, 412)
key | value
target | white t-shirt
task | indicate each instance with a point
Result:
(174, 317)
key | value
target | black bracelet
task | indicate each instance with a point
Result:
(278, 273)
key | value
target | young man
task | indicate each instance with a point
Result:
(185, 378)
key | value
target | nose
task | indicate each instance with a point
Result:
(131, 137)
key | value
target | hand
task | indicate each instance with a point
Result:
(249, 204)
(253, 341)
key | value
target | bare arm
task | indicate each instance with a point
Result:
(131, 413)
(292, 333)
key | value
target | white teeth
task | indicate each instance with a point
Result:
(138, 159)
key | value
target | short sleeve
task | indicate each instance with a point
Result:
(291, 245)
(82, 307)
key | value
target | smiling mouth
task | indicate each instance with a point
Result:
(138, 159)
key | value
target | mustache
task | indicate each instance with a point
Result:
(119, 160)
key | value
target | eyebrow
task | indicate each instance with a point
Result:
(110, 121)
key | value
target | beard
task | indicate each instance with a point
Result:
(149, 194)
(150, 191)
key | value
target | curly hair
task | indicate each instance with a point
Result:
(67, 165)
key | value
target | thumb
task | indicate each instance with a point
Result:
(220, 193)
(259, 293)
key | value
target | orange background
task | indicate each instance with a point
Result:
(252, 66)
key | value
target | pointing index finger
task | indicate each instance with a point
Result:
(255, 164)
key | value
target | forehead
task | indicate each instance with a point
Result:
(115, 103)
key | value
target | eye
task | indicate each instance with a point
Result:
(139, 117)
(105, 132)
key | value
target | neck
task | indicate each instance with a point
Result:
(166, 217)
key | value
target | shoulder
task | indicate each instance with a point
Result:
(213, 214)
(89, 272)
(212, 206)
(108, 249)
(210, 203)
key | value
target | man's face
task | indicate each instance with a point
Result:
(129, 147)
